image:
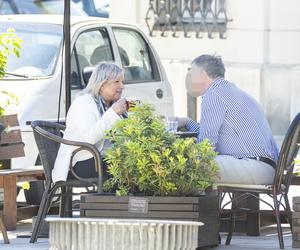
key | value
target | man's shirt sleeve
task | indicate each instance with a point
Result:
(192, 126)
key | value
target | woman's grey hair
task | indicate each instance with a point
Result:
(211, 64)
(103, 72)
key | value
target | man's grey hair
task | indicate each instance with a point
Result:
(103, 72)
(211, 64)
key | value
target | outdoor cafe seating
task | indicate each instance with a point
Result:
(48, 136)
(278, 191)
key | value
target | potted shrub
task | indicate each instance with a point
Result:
(9, 44)
(157, 175)
(146, 159)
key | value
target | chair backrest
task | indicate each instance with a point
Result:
(44, 135)
(288, 152)
(101, 53)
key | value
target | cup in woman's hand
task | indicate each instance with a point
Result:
(131, 102)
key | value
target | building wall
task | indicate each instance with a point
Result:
(261, 53)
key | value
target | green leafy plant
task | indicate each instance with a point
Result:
(147, 159)
(9, 44)
(25, 185)
(7, 99)
(297, 163)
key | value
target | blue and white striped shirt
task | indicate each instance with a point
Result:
(234, 122)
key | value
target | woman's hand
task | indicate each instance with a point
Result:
(119, 106)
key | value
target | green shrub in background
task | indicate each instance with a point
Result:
(7, 99)
(297, 163)
(9, 43)
(147, 159)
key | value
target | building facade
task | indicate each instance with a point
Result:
(261, 52)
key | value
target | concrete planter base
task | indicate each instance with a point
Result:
(104, 234)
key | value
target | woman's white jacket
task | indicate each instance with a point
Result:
(84, 123)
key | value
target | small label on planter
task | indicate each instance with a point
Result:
(138, 205)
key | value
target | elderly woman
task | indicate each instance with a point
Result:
(95, 110)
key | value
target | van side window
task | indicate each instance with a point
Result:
(136, 56)
(91, 47)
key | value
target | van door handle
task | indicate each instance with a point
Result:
(159, 93)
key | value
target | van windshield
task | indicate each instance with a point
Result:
(8, 7)
(39, 50)
(77, 7)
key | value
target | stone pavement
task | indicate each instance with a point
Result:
(267, 240)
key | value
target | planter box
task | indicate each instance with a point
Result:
(296, 222)
(203, 209)
(11, 144)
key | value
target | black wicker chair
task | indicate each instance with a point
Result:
(277, 191)
(48, 137)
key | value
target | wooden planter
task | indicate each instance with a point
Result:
(11, 144)
(203, 209)
(296, 222)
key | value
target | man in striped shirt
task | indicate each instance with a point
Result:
(234, 123)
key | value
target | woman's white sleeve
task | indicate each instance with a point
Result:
(85, 122)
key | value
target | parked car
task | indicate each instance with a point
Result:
(98, 8)
(37, 77)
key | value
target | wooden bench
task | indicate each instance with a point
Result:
(8, 181)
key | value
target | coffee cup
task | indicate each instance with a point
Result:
(131, 102)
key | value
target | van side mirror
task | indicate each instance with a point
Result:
(86, 74)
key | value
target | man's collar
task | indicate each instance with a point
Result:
(217, 82)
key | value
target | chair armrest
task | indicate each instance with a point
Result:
(82, 146)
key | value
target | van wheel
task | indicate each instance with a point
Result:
(35, 193)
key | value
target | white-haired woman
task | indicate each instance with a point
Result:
(95, 110)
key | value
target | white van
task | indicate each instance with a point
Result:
(37, 78)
